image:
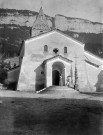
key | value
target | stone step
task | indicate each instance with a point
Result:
(57, 89)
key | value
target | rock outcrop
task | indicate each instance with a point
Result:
(77, 25)
(27, 18)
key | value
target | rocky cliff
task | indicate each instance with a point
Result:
(27, 18)
(20, 17)
(77, 25)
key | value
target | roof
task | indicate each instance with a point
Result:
(41, 21)
(51, 32)
(93, 56)
(91, 63)
(13, 69)
(41, 11)
(57, 56)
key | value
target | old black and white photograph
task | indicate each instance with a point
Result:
(51, 67)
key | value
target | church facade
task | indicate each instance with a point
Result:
(51, 58)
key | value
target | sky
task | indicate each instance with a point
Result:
(86, 9)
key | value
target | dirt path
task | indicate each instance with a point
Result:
(71, 94)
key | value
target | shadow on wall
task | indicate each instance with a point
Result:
(12, 86)
(99, 84)
(40, 78)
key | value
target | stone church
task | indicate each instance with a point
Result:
(51, 58)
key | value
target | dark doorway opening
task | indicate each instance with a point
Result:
(56, 77)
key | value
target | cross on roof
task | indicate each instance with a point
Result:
(41, 3)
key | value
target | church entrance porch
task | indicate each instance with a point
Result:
(56, 71)
(58, 74)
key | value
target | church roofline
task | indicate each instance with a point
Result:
(73, 39)
(50, 32)
(93, 56)
(92, 64)
(13, 69)
(58, 56)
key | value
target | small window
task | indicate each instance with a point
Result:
(65, 49)
(45, 48)
(42, 72)
(42, 17)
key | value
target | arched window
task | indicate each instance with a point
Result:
(65, 49)
(45, 48)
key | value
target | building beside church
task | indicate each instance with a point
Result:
(50, 57)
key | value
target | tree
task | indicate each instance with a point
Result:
(71, 74)
(76, 78)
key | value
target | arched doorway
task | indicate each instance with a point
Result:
(58, 73)
(56, 77)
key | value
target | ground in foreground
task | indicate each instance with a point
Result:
(43, 116)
